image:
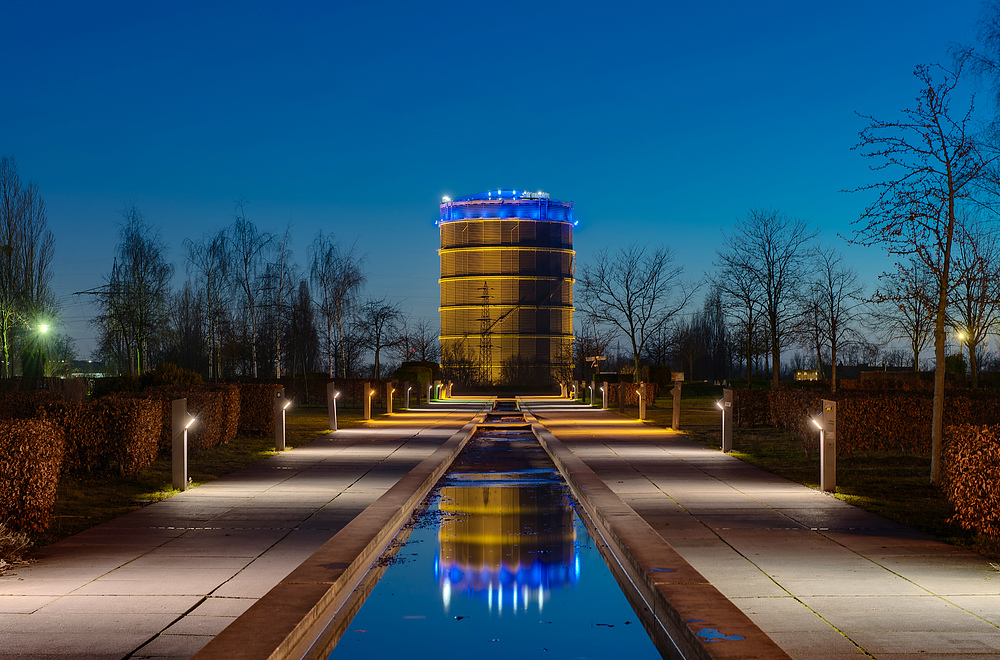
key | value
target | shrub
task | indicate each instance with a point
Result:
(171, 374)
(970, 471)
(115, 434)
(257, 407)
(216, 406)
(31, 454)
(751, 407)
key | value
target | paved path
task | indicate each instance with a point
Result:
(823, 579)
(162, 581)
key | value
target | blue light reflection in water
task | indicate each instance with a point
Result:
(506, 569)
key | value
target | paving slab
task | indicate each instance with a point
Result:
(163, 581)
(823, 579)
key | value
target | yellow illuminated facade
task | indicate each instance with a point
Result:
(508, 545)
(507, 268)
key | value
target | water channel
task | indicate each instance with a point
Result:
(497, 564)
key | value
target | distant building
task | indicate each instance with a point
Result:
(507, 268)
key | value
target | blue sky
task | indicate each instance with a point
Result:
(663, 121)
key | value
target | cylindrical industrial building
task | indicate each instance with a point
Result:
(507, 266)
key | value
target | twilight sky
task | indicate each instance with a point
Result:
(662, 121)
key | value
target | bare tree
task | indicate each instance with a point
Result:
(975, 307)
(378, 321)
(337, 276)
(933, 163)
(249, 249)
(135, 299)
(769, 248)
(902, 308)
(833, 305)
(637, 290)
(208, 262)
(278, 279)
(26, 251)
(742, 301)
(302, 343)
(418, 341)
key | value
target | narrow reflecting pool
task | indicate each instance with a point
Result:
(498, 565)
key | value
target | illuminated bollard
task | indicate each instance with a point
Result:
(827, 424)
(449, 388)
(180, 421)
(389, 390)
(429, 397)
(726, 405)
(331, 395)
(676, 392)
(281, 404)
(604, 395)
(642, 400)
(408, 388)
(366, 401)
(593, 391)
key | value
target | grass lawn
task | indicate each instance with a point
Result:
(893, 486)
(87, 500)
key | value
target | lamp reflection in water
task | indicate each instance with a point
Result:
(510, 545)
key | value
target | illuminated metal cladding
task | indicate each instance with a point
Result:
(507, 266)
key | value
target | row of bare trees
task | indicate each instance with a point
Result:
(247, 309)
(27, 247)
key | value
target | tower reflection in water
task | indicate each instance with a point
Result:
(510, 543)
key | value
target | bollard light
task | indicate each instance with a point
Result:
(181, 421)
(827, 423)
(333, 418)
(408, 390)
(281, 405)
(725, 404)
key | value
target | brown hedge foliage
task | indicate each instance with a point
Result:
(257, 407)
(630, 392)
(31, 454)
(24, 405)
(115, 434)
(889, 421)
(970, 469)
(216, 406)
(751, 408)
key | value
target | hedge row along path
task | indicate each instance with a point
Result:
(163, 581)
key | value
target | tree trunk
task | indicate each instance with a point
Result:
(973, 367)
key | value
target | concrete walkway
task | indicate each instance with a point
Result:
(163, 581)
(823, 579)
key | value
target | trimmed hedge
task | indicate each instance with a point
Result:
(630, 391)
(31, 455)
(894, 421)
(216, 406)
(751, 408)
(115, 434)
(970, 470)
(257, 407)
(25, 405)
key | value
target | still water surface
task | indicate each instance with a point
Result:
(497, 566)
